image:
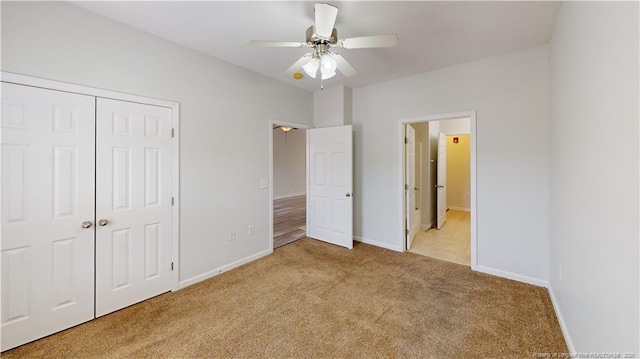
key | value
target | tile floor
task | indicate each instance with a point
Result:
(451, 243)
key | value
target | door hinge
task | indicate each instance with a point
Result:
(406, 231)
(406, 187)
(406, 140)
(173, 132)
(172, 201)
(171, 265)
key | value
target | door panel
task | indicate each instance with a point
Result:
(442, 179)
(330, 203)
(133, 249)
(410, 185)
(48, 166)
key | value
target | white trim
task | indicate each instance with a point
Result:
(82, 90)
(175, 190)
(291, 195)
(474, 205)
(224, 268)
(563, 324)
(429, 226)
(275, 122)
(459, 209)
(378, 244)
(508, 275)
(120, 96)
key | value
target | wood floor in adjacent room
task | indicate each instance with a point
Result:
(451, 243)
(289, 220)
(310, 299)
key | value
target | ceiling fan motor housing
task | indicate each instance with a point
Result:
(313, 38)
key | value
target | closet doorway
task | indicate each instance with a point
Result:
(87, 198)
(289, 182)
(439, 196)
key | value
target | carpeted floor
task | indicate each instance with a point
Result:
(314, 300)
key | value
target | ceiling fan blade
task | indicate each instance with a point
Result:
(276, 44)
(389, 40)
(325, 19)
(343, 65)
(298, 65)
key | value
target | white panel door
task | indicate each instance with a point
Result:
(133, 212)
(330, 200)
(410, 187)
(47, 193)
(442, 180)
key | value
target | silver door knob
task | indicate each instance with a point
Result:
(416, 188)
(103, 222)
(86, 224)
(348, 194)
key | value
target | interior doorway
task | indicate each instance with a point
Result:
(438, 171)
(289, 183)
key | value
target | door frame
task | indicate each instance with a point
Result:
(301, 126)
(175, 144)
(474, 194)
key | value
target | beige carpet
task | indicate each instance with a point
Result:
(314, 300)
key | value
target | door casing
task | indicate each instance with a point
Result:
(474, 194)
(275, 122)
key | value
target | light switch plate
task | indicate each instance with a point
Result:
(264, 183)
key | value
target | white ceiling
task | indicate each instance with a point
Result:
(432, 34)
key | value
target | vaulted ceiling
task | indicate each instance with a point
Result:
(431, 35)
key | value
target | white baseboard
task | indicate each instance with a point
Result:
(290, 195)
(432, 225)
(224, 268)
(563, 324)
(512, 276)
(464, 209)
(378, 244)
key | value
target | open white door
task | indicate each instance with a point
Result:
(329, 199)
(133, 183)
(47, 212)
(410, 187)
(442, 179)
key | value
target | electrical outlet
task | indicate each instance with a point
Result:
(252, 230)
(232, 235)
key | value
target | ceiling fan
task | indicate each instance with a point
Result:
(322, 38)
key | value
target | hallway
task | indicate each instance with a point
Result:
(452, 243)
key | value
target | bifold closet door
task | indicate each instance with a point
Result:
(133, 210)
(47, 212)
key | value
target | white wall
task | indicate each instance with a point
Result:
(594, 167)
(225, 112)
(509, 93)
(456, 126)
(289, 163)
(332, 107)
(422, 164)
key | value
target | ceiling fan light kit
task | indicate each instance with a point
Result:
(322, 37)
(311, 68)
